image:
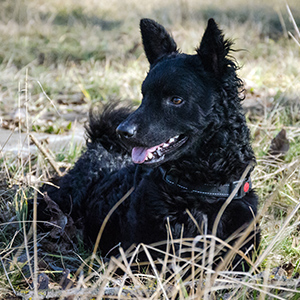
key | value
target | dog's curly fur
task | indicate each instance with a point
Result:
(193, 98)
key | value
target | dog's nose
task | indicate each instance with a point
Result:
(126, 131)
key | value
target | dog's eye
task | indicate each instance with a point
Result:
(176, 100)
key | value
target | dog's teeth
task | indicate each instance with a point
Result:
(165, 145)
(158, 151)
(171, 140)
(176, 137)
(150, 155)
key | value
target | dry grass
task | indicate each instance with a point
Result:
(57, 58)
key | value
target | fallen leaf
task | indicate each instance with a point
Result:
(43, 281)
(279, 144)
(57, 217)
(63, 229)
(65, 281)
(288, 268)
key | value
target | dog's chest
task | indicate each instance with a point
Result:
(161, 209)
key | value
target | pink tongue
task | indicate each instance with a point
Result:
(139, 154)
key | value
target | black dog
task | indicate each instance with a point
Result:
(189, 144)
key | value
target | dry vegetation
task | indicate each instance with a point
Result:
(57, 58)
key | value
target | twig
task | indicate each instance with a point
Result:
(48, 97)
(86, 293)
(293, 20)
(34, 226)
(291, 35)
(295, 26)
(46, 154)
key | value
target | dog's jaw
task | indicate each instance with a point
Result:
(159, 153)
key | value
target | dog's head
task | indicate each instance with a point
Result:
(179, 94)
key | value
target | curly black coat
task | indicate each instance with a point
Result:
(190, 125)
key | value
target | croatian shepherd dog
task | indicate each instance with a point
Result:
(183, 150)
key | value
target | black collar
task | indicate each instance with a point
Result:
(213, 190)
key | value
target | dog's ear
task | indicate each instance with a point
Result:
(156, 40)
(213, 49)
